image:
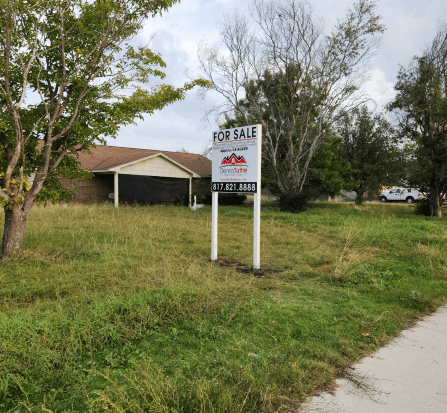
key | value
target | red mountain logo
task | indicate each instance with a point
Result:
(233, 160)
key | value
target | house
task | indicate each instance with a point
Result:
(140, 175)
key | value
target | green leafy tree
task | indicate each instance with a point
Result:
(370, 144)
(65, 74)
(293, 76)
(421, 110)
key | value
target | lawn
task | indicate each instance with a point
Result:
(121, 310)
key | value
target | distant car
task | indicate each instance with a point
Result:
(408, 195)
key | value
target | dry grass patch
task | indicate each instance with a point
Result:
(353, 256)
(430, 252)
(436, 257)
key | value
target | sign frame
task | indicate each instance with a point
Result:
(236, 168)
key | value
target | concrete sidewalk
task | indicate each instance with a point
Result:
(409, 375)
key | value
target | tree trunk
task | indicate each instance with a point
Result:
(14, 232)
(359, 198)
(435, 204)
(437, 207)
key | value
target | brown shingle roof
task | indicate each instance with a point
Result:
(107, 157)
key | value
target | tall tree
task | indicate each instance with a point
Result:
(421, 110)
(65, 73)
(370, 144)
(326, 171)
(281, 41)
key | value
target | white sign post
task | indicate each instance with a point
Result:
(236, 167)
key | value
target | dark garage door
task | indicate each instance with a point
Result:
(151, 189)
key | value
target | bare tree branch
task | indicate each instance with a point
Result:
(277, 61)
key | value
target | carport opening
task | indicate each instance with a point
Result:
(152, 190)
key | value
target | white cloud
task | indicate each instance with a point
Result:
(176, 126)
(379, 89)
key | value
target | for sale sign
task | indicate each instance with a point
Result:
(236, 158)
(236, 167)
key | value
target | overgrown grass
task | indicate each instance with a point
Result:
(121, 309)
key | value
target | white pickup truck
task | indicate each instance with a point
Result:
(409, 195)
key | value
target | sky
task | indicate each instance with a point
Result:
(410, 25)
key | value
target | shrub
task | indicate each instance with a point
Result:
(200, 198)
(232, 199)
(294, 204)
(423, 207)
(227, 199)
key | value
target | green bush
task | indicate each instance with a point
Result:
(200, 198)
(232, 199)
(423, 207)
(227, 199)
(294, 204)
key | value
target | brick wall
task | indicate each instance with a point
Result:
(94, 190)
